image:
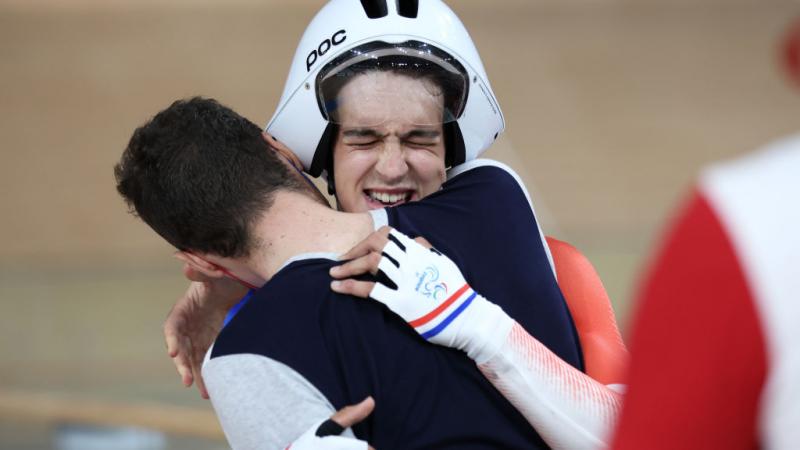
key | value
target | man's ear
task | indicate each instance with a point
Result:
(281, 148)
(201, 265)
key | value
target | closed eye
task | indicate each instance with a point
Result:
(422, 144)
(362, 137)
(362, 144)
(422, 138)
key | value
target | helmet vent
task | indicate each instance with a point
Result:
(408, 8)
(375, 9)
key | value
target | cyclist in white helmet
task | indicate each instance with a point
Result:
(334, 115)
(345, 37)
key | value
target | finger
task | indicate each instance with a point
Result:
(198, 355)
(390, 269)
(194, 362)
(170, 330)
(394, 252)
(353, 414)
(353, 287)
(184, 370)
(423, 242)
(183, 359)
(172, 341)
(345, 443)
(404, 240)
(363, 264)
(201, 385)
(174, 349)
(386, 296)
(372, 243)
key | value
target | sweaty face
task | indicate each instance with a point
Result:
(390, 147)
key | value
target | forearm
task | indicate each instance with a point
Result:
(567, 408)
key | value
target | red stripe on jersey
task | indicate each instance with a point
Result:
(697, 351)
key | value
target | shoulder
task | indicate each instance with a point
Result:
(263, 375)
(492, 182)
(754, 198)
(297, 321)
(694, 284)
(258, 370)
(495, 192)
(284, 320)
(486, 171)
(774, 164)
(261, 402)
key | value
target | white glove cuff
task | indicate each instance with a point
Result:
(484, 329)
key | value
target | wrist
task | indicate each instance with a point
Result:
(484, 330)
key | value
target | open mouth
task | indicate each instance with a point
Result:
(384, 198)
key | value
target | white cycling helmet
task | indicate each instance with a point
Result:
(348, 37)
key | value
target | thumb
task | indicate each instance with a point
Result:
(424, 242)
(353, 414)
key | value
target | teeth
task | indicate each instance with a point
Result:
(384, 197)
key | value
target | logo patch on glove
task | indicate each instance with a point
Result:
(428, 285)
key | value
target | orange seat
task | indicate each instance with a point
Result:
(604, 352)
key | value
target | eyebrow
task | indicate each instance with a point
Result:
(362, 132)
(370, 132)
(418, 133)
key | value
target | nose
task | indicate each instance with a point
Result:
(392, 166)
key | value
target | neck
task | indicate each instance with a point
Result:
(297, 224)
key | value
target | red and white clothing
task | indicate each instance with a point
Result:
(715, 350)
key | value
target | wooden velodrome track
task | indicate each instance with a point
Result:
(611, 107)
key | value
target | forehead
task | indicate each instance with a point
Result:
(375, 98)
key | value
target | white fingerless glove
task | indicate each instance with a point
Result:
(311, 439)
(433, 297)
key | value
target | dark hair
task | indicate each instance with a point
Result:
(448, 84)
(200, 175)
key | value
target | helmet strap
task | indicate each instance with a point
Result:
(455, 152)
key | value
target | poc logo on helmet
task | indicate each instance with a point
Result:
(323, 48)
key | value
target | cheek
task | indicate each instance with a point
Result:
(350, 170)
(429, 170)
